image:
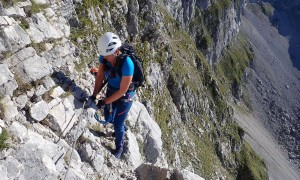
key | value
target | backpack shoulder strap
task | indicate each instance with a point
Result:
(120, 60)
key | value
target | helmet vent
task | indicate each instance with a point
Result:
(107, 50)
(112, 43)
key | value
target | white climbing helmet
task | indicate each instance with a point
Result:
(108, 43)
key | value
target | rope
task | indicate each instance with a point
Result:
(73, 146)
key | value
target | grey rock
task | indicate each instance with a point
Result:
(6, 75)
(7, 82)
(74, 174)
(91, 15)
(132, 24)
(56, 56)
(9, 20)
(134, 155)
(40, 90)
(149, 172)
(31, 68)
(35, 34)
(49, 12)
(8, 108)
(98, 163)
(48, 83)
(3, 172)
(20, 56)
(14, 11)
(2, 123)
(39, 110)
(63, 29)
(88, 137)
(86, 152)
(39, 155)
(45, 27)
(56, 92)
(40, 1)
(30, 93)
(185, 175)
(76, 130)
(155, 77)
(61, 116)
(22, 4)
(21, 118)
(203, 4)
(15, 38)
(19, 131)
(14, 168)
(3, 21)
(21, 101)
(139, 118)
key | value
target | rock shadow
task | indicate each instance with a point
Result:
(68, 85)
(286, 20)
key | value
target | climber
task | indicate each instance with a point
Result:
(119, 95)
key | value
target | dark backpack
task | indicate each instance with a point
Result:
(138, 75)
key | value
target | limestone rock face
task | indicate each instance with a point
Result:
(46, 48)
(39, 110)
(61, 116)
(7, 82)
(223, 33)
(148, 129)
(148, 172)
(8, 109)
(14, 38)
(43, 154)
(28, 66)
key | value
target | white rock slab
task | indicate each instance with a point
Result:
(148, 128)
(8, 108)
(39, 110)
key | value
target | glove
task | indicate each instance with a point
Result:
(90, 99)
(101, 104)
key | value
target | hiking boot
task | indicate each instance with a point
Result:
(118, 153)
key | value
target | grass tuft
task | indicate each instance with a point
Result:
(252, 166)
(3, 138)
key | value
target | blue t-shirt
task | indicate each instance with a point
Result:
(127, 70)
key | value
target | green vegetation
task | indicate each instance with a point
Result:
(252, 166)
(36, 8)
(233, 63)
(66, 158)
(6, 55)
(205, 41)
(86, 29)
(97, 127)
(162, 114)
(3, 138)
(66, 94)
(24, 24)
(218, 6)
(24, 87)
(267, 9)
(8, 3)
(1, 108)
(39, 47)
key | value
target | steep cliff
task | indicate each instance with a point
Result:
(274, 74)
(183, 130)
